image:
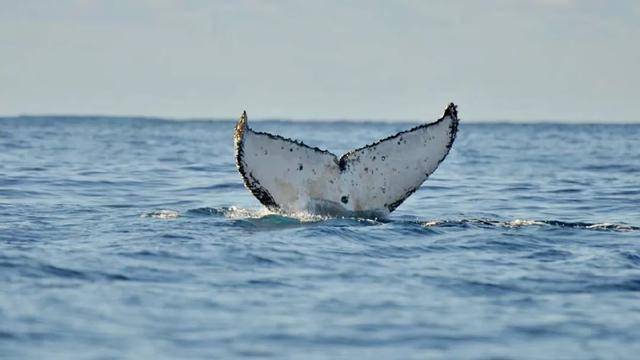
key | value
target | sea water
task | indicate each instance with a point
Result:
(135, 238)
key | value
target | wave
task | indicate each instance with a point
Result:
(263, 216)
(518, 223)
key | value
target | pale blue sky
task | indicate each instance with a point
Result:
(512, 60)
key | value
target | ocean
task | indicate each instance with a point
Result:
(135, 238)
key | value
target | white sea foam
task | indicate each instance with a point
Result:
(610, 226)
(520, 223)
(234, 212)
(162, 214)
(432, 223)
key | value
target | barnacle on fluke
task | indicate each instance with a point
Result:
(369, 181)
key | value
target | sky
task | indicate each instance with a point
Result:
(506, 60)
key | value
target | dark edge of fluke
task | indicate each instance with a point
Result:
(250, 182)
(452, 112)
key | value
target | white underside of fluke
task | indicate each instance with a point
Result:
(370, 181)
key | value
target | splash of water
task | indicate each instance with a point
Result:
(163, 214)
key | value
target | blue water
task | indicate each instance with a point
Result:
(134, 238)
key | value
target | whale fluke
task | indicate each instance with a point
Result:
(373, 180)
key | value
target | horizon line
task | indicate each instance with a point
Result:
(328, 119)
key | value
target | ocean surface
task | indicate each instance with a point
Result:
(135, 238)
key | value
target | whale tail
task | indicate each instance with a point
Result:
(373, 180)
